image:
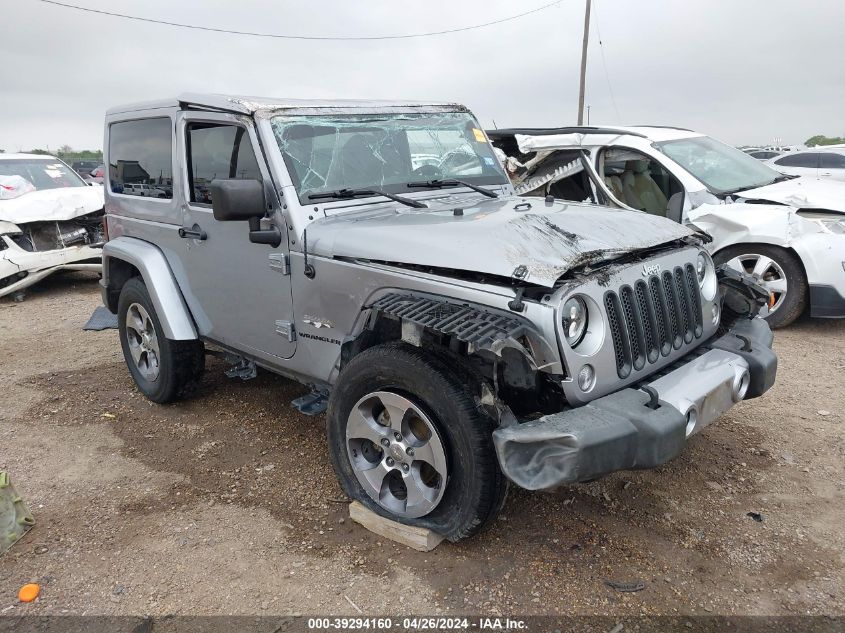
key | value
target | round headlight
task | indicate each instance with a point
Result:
(574, 320)
(706, 273)
(701, 268)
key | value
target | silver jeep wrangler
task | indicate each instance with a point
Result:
(458, 335)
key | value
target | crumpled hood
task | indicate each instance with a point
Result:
(803, 193)
(494, 237)
(52, 204)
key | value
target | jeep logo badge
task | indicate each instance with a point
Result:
(650, 269)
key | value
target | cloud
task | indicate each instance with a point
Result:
(742, 71)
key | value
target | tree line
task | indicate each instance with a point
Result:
(821, 139)
(67, 153)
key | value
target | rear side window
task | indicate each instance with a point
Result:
(833, 161)
(218, 152)
(140, 152)
(809, 160)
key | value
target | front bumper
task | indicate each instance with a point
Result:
(20, 269)
(826, 302)
(627, 429)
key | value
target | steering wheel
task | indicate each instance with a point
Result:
(428, 171)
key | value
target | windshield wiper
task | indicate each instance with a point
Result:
(454, 183)
(349, 194)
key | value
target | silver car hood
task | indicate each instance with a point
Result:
(803, 193)
(493, 237)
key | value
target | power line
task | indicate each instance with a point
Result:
(604, 64)
(299, 37)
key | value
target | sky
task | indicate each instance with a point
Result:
(744, 71)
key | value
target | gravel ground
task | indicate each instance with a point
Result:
(227, 504)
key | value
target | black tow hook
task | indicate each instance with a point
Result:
(654, 397)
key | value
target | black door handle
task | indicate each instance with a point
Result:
(194, 233)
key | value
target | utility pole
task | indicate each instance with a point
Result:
(584, 64)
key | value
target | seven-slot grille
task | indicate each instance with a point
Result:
(653, 316)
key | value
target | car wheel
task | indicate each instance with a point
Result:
(408, 441)
(164, 370)
(779, 271)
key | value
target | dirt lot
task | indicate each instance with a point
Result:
(228, 503)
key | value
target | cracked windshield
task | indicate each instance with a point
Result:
(393, 153)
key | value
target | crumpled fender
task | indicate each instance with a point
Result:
(170, 306)
(739, 223)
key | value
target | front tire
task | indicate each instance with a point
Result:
(164, 370)
(776, 269)
(407, 440)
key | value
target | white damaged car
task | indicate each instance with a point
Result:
(788, 231)
(50, 220)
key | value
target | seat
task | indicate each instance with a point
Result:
(359, 164)
(298, 144)
(614, 183)
(639, 189)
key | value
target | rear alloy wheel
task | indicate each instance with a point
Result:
(142, 340)
(163, 369)
(778, 271)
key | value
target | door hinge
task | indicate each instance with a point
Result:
(286, 329)
(280, 263)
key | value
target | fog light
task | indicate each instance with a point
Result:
(715, 312)
(586, 378)
(741, 383)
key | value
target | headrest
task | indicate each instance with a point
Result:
(636, 166)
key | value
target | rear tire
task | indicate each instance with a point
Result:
(164, 370)
(433, 394)
(778, 270)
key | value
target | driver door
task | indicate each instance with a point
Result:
(238, 292)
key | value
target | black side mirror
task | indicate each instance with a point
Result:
(233, 200)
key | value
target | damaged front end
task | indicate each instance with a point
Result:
(30, 251)
(648, 422)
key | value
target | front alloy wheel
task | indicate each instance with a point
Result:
(408, 440)
(396, 454)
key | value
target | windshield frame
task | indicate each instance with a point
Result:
(493, 173)
(753, 164)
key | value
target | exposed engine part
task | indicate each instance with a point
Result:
(53, 235)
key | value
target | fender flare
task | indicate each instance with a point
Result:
(170, 306)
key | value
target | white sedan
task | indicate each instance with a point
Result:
(50, 220)
(824, 163)
(788, 231)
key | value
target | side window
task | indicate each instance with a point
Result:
(140, 152)
(639, 181)
(832, 161)
(809, 160)
(218, 151)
